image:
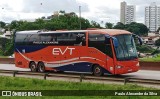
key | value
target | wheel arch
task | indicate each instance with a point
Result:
(40, 62)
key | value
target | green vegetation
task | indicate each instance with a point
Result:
(144, 49)
(153, 59)
(109, 25)
(137, 28)
(3, 56)
(63, 21)
(10, 83)
(157, 43)
(69, 21)
(7, 47)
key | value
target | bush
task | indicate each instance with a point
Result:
(7, 47)
(157, 43)
(145, 49)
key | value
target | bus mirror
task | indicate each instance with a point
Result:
(115, 42)
(140, 40)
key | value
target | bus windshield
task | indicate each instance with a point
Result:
(126, 49)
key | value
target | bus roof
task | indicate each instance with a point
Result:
(28, 32)
(110, 32)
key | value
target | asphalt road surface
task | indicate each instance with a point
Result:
(146, 74)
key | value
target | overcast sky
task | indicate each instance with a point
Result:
(98, 10)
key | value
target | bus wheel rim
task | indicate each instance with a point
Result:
(41, 68)
(97, 70)
(33, 67)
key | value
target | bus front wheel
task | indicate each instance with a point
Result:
(97, 70)
(33, 67)
(41, 67)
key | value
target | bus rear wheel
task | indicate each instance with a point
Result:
(33, 67)
(41, 67)
(97, 70)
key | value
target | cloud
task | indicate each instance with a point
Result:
(49, 6)
(97, 10)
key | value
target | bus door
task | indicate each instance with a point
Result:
(82, 64)
(109, 53)
(96, 49)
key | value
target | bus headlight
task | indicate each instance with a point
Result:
(119, 67)
(137, 64)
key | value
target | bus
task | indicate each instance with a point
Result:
(98, 51)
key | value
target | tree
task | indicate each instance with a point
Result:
(137, 28)
(157, 42)
(156, 51)
(2, 24)
(94, 24)
(158, 29)
(109, 25)
(62, 12)
(69, 21)
(119, 25)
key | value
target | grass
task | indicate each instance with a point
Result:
(153, 59)
(11, 83)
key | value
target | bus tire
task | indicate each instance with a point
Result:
(41, 67)
(97, 70)
(33, 66)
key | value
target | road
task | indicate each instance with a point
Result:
(147, 74)
(11, 67)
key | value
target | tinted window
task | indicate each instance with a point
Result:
(96, 37)
(45, 38)
(108, 47)
(21, 38)
(59, 39)
(97, 41)
(32, 38)
(71, 39)
(25, 39)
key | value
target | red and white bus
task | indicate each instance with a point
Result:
(96, 51)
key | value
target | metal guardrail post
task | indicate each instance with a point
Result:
(126, 80)
(14, 73)
(81, 77)
(45, 76)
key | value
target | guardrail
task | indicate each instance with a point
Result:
(6, 60)
(150, 65)
(83, 77)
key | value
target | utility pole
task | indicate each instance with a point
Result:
(80, 17)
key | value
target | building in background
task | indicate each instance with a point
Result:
(127, 13)
(152, 17)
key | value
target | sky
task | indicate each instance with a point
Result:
(101, 11)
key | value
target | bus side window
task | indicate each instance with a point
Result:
(53, 38)
(21, 39)
(33, 38)
(45, 38)
(80, 40)
(97, 41)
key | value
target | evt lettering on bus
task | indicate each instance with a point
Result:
(59, 51)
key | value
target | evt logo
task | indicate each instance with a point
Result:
(59, 51)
